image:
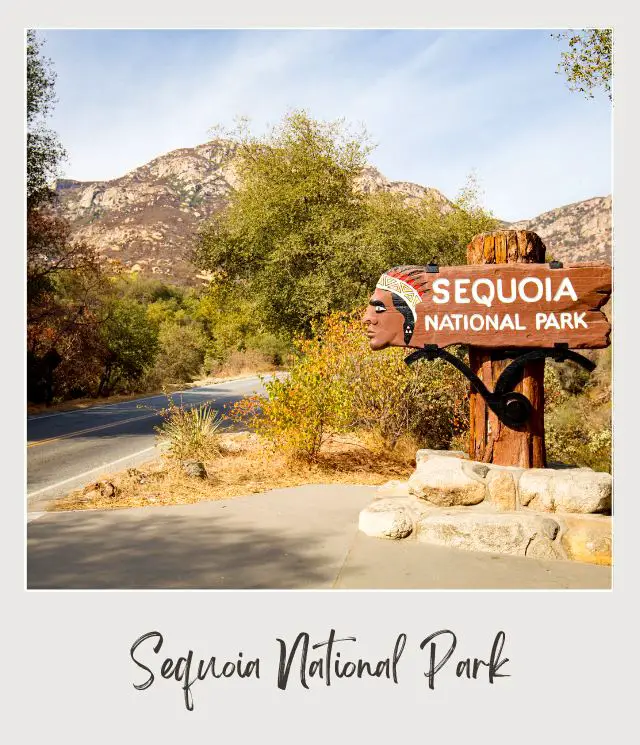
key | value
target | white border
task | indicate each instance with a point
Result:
(68, 651)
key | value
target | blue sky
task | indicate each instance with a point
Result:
(439, 104)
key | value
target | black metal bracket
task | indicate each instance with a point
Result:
(512, 408)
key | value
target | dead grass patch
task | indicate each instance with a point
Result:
(245, 466)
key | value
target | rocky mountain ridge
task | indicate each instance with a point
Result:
(576, 232)
(147, 220)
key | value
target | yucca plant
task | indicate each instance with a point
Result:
(191, 433)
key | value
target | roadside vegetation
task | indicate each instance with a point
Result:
(294, 257)
(341, 418)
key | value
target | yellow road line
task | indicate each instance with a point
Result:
(89, 429)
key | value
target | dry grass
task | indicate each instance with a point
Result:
(249, 362)
(245, 467)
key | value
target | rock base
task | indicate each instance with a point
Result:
(542, 513)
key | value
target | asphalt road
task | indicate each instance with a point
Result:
(67, 450)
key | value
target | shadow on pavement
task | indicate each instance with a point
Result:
(233, 544)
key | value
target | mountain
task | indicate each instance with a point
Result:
(576, 232)
(147, 220)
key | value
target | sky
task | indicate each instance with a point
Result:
(439, 105)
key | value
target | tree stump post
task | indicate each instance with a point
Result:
(490, 440)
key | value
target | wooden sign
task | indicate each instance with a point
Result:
(491, 305)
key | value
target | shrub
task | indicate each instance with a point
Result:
(130, 344)
(181, 352)
(578, 425)
(337, 384)
(192, 433)
(579, 435)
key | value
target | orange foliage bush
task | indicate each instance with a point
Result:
(336, 384)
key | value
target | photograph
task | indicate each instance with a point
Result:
(318, 309)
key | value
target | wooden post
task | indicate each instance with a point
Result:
(490, 440)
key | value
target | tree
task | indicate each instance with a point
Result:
(50, 249)
(44, 151)
(130, 342)
(181, 352)
(299, 240)
(64, 313)
(587, 62)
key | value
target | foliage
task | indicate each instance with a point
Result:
(130, 342)
(51, 250)
(44, 151)
(578, 422)
(587, 61)
(578, 435)
(233, 328)
(227, 314)
(190, 432)
(181, 352)
(336, 384)
(64, 312)
(299, 241)
(303, 409)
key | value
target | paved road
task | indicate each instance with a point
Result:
(69, 449)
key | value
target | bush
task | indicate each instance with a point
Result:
(191, 433)
(578, 425)
(130, 344)
(181, 352)
(579, 435)
(337, 384)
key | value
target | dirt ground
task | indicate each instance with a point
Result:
(245, 466)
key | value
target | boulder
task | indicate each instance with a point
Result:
(587, 538)
(565, 490)
(108, 489)
(423, 455)
(194, 468)
(386, 518)
(501, 490)
(447, 481)
(516, 533)
(393, 488)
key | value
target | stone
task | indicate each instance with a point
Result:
(423, 455)
(386, 518)
(504, 533)
(447, 481)
(194, 468)
(542, 547)
(565, 490)
(393, 488)
(108, 490)
(587, 538)
(501, 490)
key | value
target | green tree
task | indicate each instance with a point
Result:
(130, 342)
(299, 240)
(181, 352)
(289, 229)
(587, 61)
(44, 151)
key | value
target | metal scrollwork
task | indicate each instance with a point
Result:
(512, 408)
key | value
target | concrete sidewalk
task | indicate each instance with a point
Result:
(303, 537)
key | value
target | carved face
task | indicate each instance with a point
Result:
(383, 322)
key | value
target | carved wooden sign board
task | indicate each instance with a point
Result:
(491, 305)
